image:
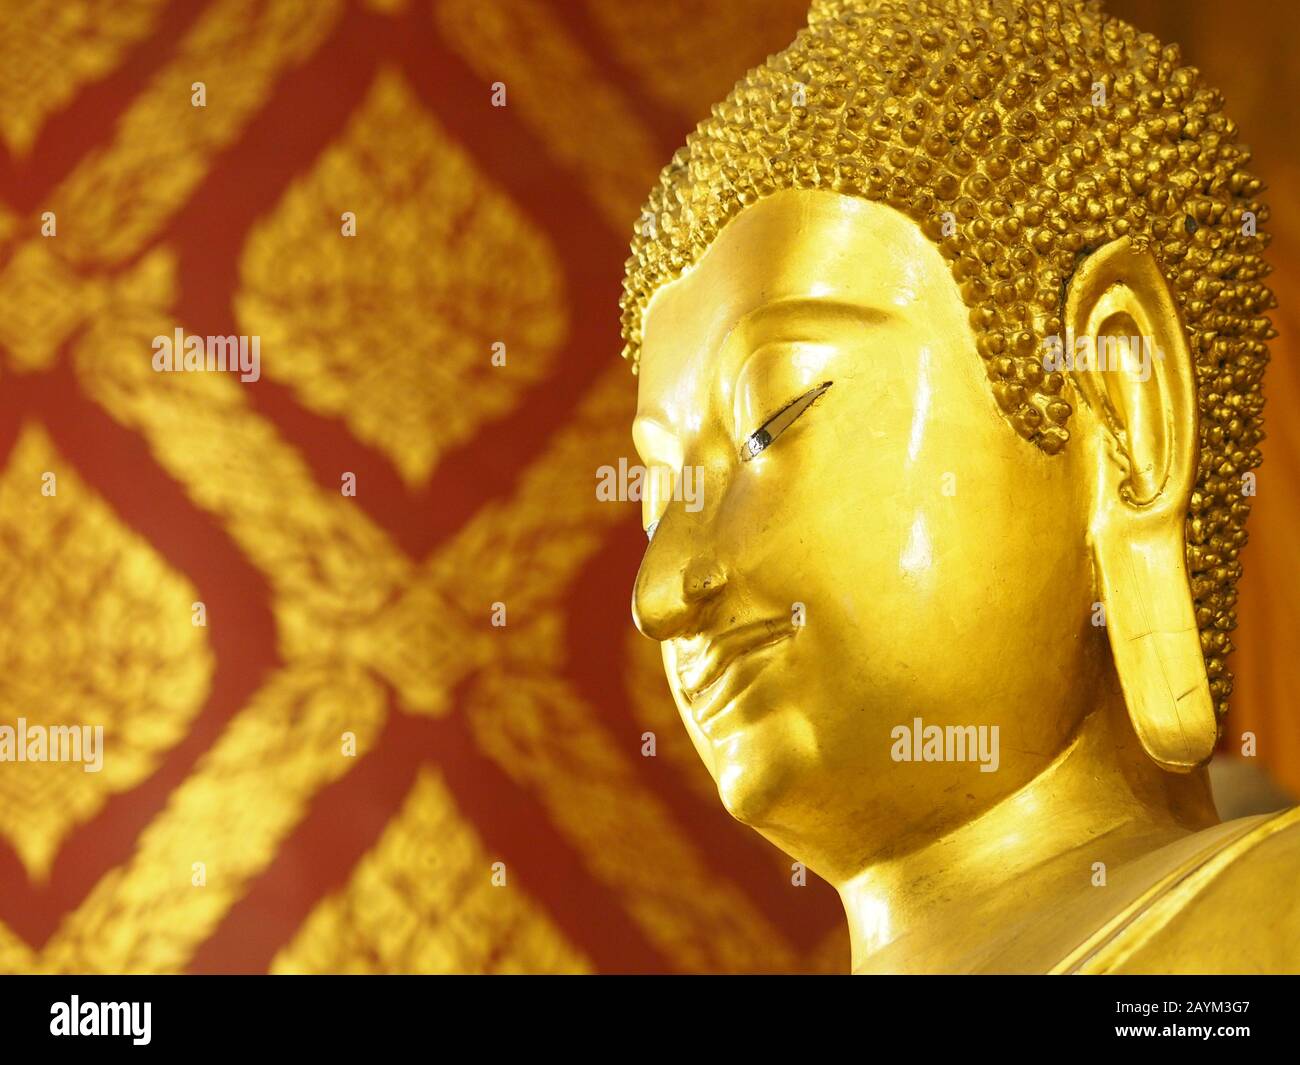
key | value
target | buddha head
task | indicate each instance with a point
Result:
(957, 309)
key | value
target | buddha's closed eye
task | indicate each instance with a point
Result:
(764, 435)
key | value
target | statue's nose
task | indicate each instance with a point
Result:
(671, 593)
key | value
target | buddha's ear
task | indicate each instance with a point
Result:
(1140, 436)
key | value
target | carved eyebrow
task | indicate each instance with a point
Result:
(780, 421)
(821, 309)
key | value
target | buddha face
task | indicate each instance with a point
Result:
(874, 544)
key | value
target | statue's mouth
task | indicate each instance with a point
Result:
(702, 668)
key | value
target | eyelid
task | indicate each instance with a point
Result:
(780, 422)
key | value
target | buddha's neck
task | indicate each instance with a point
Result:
(1114, 805)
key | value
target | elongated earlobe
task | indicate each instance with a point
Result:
(1133, 369)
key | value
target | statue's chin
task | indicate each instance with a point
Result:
(752, 790)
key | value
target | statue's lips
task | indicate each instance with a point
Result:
(699, 671)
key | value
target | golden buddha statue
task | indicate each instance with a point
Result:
(957, 307)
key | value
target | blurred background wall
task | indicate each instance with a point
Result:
(347, 745)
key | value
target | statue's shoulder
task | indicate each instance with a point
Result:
(1234, 909)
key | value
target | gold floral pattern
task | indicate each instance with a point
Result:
(50, 48)
(42, 302)
(392, 329)
(428, 899)
(99, 633)
(588, 124)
